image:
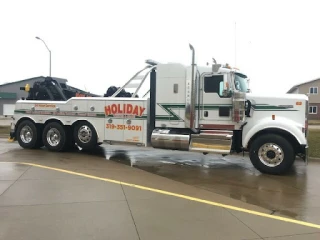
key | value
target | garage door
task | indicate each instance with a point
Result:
(8, 109)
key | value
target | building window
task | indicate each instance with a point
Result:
(313, 109)
(313, 90)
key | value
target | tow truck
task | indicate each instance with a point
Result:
(206, 109)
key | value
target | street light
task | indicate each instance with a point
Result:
(49, 53)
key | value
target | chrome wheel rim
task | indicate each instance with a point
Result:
(271, 154)
(84, 134)
(53, 137)
(26, 134)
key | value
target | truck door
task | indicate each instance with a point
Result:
(215, 109)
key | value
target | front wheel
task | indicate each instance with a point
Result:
(272, 154)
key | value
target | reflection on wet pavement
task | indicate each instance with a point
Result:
(296, 195)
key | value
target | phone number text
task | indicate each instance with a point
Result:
(124, 127)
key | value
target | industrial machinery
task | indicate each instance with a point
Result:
(51, 90)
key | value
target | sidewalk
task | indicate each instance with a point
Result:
(39, 202)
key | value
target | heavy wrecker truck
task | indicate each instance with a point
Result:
(204, 109)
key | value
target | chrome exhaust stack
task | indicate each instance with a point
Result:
(190, 95)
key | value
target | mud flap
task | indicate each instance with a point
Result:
(306, 155)
(12, 133)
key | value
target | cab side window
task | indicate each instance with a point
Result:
(214, 84)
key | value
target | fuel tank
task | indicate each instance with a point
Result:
(162, 138)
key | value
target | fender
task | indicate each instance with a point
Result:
(61, 120)
(18, 118)
(15, 123)
(281, 123)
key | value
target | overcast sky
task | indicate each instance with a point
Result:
(96, 44)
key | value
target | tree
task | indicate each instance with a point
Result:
(111, 90)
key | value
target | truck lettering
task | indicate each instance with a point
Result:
(42, 105)
(124, 109)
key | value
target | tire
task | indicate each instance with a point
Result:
(28, 135)
(85, 135)
(272, 147)
(54, 137)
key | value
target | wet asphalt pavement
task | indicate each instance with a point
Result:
(296, 195)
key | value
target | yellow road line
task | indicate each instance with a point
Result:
(307, 224)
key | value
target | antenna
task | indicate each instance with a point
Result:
(235, 44)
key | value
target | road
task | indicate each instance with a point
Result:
(296, 195)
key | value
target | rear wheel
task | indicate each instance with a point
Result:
(85, 135)
(28, 135)
(272, 154)
(54, 137)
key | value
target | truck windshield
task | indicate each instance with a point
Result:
(240, 82)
